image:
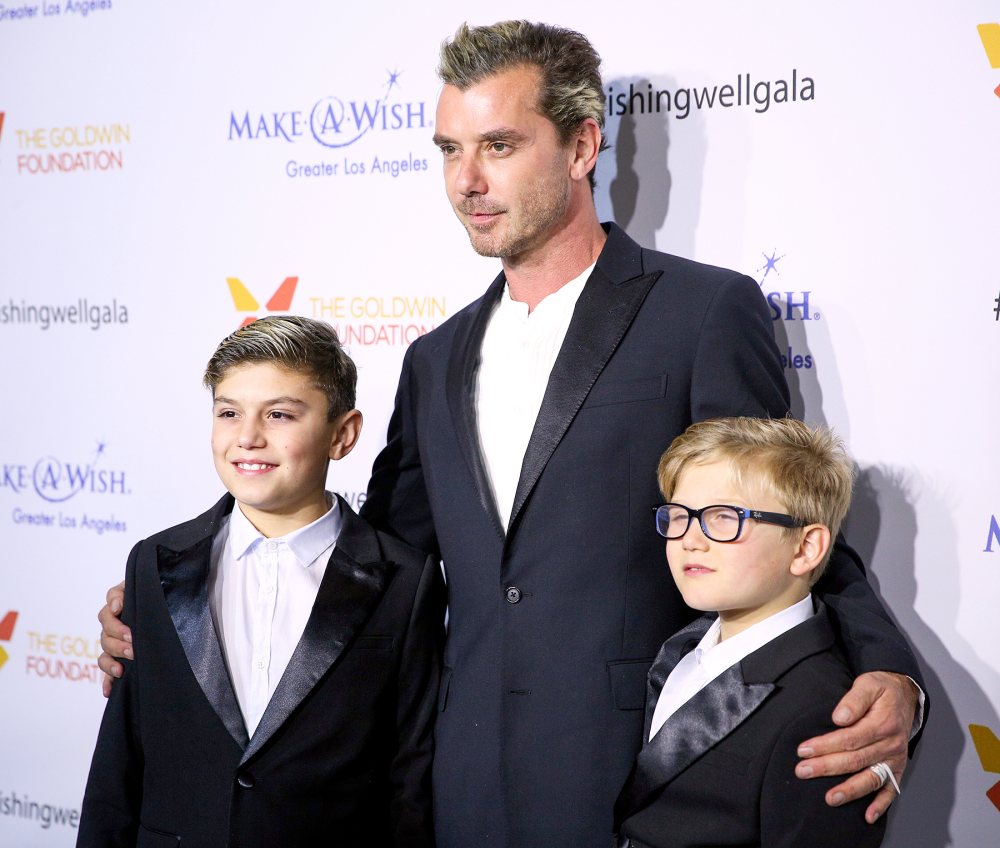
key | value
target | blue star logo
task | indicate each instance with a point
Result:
(393, 79)
(770, 264)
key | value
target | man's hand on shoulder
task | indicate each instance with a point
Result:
(116, 638)
(876, 717)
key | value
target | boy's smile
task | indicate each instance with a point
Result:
(746, 580)
(272, 442)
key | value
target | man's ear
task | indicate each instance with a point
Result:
(346, 430)
(586, 146)
(813, 545)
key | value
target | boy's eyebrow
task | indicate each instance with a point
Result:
(286, 399)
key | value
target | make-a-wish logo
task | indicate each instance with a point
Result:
(785, 305)
(244, 301)
(57, 480)
(333, 121)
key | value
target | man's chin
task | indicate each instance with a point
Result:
(484, 245)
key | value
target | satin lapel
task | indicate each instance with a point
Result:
(460, 388)
(716, 710)
(708, 717)
(355, 580)
(603, 313)
(666, 660)
(184, 580)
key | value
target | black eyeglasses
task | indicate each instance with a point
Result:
(719, 522)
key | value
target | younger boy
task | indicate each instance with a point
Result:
(285, 681)
(752, 507)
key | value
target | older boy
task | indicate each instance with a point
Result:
(284, 689)
(753, 506)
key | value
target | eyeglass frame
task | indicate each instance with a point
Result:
(742, 513)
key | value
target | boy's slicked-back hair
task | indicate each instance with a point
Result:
(297, 344)
(805, 468)
(570, 88)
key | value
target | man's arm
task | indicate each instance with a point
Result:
(738, 371)
(877, 714)
(397, 502)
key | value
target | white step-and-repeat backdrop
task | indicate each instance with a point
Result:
(168, 170)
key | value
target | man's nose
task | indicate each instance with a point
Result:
(470, 178)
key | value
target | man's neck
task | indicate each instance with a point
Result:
(536, 273)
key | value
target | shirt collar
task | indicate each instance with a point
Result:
(717, 656)
(565, 297)
(306, 543)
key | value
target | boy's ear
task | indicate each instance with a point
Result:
(346, 430)
(813, 545)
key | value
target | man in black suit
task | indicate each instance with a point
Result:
(556, 586)
(524, 455)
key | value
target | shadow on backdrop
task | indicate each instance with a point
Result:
(944, 778)
(635, 185)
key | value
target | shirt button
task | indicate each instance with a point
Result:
(513, 594)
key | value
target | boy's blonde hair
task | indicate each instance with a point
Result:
(297, 344)
(805, 468)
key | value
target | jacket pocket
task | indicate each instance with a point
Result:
(149, 838)
(628, 682)
(625, 391)
(374, 643)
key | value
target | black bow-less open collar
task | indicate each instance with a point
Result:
(715, 711)
(356, 577)
(604, 311)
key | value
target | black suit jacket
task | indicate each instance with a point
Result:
(342, 753)
(553, 624)
(720, 770)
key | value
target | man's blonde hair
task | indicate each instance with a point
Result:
(570, 88)
(806, 469)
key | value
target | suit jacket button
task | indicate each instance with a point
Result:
(513, 594)
(246, 781)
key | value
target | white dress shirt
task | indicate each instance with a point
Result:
(701, 666)
(261, 593)
(516, 358)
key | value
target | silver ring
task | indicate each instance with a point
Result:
(884, 773)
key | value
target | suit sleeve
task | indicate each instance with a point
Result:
(109, 816)
(738, 371)
(794, 812)
(416, 708)
(870, 639)
(397, 501)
